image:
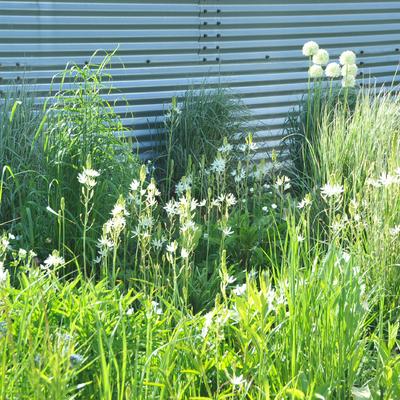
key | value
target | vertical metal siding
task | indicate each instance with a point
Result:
(253, 48)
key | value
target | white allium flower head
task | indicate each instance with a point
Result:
(349, 70)
(347, 58)
(315, 71)
(321, 57)
(348, 81)
(333, 70)
(310, 48)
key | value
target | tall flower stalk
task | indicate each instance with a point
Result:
(87, 178)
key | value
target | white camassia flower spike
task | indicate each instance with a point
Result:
(329, 190)
(321, 57)
(218, 165)
(227, 231)
(238, 380)
(88, 177)
(171, 248)
(91, 172)
(54, 260)
(184, 253)
(240, 289)
(333, 70)
(315, 71)
(310, 48)
(347, 58)
(3, 274)
(134, 185)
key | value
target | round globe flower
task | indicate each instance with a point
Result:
(350, 69)
(333, 70)
(348, 81)
(321, 57)
(315, 71)
(310, 48)
(347, 58)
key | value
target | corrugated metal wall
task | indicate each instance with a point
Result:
(254, 47)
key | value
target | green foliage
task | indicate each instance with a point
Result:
(232, 288)
(80, 127)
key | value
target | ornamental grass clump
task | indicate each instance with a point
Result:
(195, 127)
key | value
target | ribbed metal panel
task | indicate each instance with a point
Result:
(253, 47)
